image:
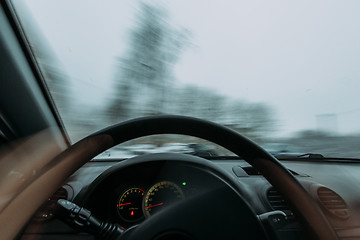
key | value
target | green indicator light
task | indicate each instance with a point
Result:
(184, 183)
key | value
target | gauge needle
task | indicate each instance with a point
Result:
(155, 205)
(124, 204)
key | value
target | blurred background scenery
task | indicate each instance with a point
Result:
(285, 76)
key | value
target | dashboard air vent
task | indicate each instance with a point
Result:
(333, 202)
(277, 201)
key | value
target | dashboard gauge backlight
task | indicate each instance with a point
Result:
(129, 205)
(160, 195)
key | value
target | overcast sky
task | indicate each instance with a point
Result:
(300, 57)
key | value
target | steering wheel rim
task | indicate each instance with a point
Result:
(270, 167)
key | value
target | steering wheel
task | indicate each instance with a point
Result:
(270, 167)
(59, 169)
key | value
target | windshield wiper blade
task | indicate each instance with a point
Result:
(310, 155)
(302, 157)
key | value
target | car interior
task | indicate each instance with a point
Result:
(52, 187)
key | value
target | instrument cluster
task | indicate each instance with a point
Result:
(135, 204)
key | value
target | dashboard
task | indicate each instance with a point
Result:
(128, 193)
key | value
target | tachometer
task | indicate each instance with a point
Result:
(160, 195)
(130, 205)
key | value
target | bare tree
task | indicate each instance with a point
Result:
(146, 70)
(252, 119)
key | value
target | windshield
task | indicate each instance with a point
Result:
(282, 73)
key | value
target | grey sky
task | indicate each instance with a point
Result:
(300, 57)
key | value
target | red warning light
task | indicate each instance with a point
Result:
(132, 213)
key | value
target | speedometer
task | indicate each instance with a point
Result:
(130, 204)
(161, 195)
